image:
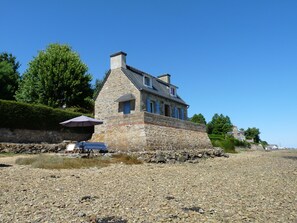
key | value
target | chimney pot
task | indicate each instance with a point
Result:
(118, 60)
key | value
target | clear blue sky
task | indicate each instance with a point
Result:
(235, 57)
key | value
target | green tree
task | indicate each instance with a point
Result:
(9, 76)
(56, 77)
(199, 119)
(98, 85)
(219, 125)
(253, 133)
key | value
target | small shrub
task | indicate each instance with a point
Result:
(228, 146)
(242, 143)
(225, 142)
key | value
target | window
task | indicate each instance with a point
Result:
(180, 113)
(152, 107)
(126, 107)
(173, 91)
(147, 81)
(177, 113)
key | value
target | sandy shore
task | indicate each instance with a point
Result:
(247, 187)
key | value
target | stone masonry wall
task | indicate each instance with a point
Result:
(123, 132)
(38, 136)
(165, 133)
(116, 85)
(144, 131)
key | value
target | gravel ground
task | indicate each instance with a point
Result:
(246, 187)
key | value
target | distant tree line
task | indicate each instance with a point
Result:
(56, 77)
(219, 127)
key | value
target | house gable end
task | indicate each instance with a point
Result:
(116, 85)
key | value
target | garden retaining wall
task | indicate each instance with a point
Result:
(39, 136)
(143, 131)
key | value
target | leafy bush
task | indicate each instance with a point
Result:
(225, 142)
(228, 146)
(35, 117)
(242, 143)
(216, 137)
(78, 110)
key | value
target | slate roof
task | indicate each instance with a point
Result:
(160, 88)
(126, 97)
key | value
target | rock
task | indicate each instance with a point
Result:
(81, 214)
(169, 198)
(54, 176)
(160, 158)
(182, 159)
(195, 209)
(201, 211)
(226, 155)
(86, 198)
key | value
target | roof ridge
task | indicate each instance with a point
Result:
(142, 72)
(138, 71)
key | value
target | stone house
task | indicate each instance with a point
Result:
(143, 112)
(237, 134)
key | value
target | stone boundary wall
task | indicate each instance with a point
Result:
(32, 148)
(160, 120)
(154, 119)
(171, 138)
(39, 136)
(144, 131)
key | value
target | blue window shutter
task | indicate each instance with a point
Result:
(148, 106)
(127, 107)
(182, 114)
(157, 107)
(175, 112)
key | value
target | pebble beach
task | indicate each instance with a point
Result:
(256, 186)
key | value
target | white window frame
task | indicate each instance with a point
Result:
(150, 80)
(170, 90)
(153, 106)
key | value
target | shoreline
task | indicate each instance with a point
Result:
(256, 186)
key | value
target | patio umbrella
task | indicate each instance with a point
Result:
(81, 121)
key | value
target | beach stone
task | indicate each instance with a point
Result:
(246, 187)
(160, 158)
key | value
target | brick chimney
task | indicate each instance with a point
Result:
(165, 78)
(118, 60)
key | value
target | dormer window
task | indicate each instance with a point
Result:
(147, 81)
(173, 91)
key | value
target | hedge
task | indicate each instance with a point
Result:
(17, 115)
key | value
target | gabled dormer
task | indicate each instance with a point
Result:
(172, 91)
(147, 81)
